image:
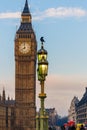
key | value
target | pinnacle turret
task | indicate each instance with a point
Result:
(3, 95)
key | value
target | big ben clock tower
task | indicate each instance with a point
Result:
(25, 73)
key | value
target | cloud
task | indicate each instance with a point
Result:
(61, 89)
(9, 86)
(60, 12)
(11, 15)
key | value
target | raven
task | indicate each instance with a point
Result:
(42, 39)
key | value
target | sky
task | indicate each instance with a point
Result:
(63, 24)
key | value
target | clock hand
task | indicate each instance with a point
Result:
(24, 47)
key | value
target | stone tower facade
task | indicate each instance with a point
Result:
(25, 73)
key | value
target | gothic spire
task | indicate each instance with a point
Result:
(26, 8)
(26, 15)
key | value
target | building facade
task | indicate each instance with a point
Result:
(6, 112)
(81, 109)
(72, 109)
(20, 114)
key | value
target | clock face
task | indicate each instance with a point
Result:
(24, 48)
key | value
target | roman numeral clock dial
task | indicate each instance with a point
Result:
(24, 48)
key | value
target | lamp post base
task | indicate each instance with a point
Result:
(42, 122)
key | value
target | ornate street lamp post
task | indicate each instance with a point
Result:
(42, 118)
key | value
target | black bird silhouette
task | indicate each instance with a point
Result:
(42, 39)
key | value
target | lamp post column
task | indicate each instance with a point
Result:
(42, 118)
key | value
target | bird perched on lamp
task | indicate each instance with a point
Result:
(42, 39)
